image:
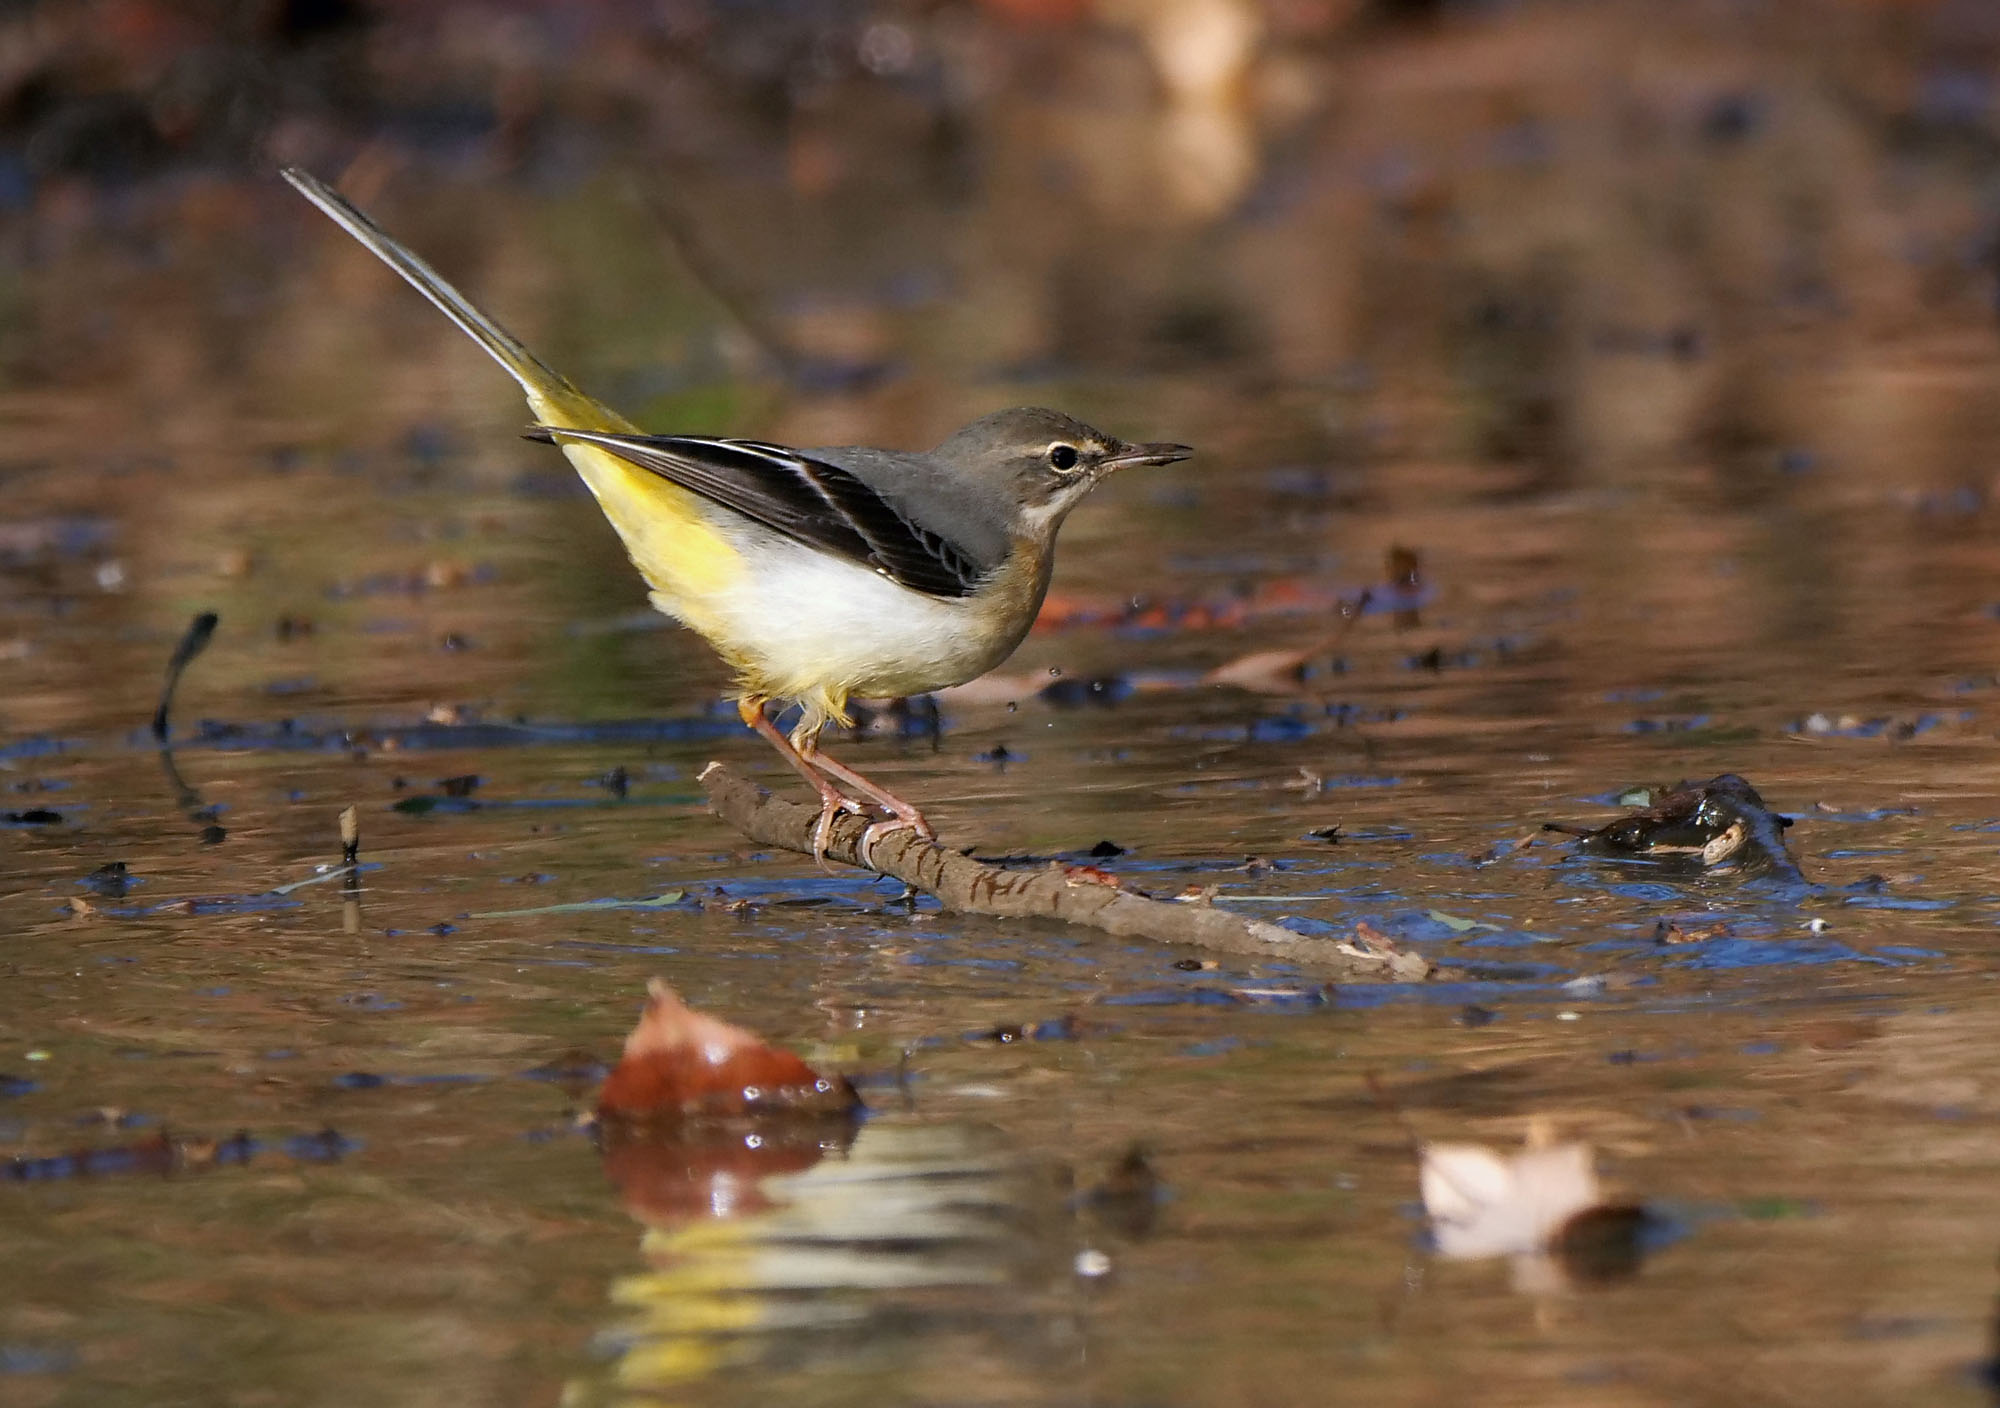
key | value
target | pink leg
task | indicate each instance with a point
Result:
(907, 817)
(832, 801)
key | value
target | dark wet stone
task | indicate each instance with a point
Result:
(1691, 817)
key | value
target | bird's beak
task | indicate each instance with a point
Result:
(1126, 456)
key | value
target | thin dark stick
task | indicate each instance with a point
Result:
(185, 797)
(192, 644)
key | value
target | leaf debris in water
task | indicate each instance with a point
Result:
(681, 1064)
(661, 901)
(1461, 926)
(1717, 821)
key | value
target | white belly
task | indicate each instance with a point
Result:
(809, 626)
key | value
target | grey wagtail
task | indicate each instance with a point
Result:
(817, 575)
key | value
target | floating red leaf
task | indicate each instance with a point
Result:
(682, 1064)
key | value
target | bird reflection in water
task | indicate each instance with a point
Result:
(818, 1240)
(818, 1249)
(1541, 1207)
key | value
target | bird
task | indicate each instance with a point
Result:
(818, 575)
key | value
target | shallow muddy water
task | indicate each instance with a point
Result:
(278, 1142)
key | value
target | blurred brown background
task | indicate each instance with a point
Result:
(1600, 234)
(1434, 253)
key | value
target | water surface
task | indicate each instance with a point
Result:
(1704, 491)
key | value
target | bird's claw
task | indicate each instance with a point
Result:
(877, 830)
(832, 804)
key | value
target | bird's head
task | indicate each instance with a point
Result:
(1044, 461)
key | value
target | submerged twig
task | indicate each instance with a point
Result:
(1075, 895)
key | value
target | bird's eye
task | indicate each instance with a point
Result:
(1062, 457)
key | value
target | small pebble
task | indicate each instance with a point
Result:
(1092, 1263)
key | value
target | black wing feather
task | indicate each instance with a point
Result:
(809, 500)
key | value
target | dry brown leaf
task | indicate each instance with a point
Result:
(682, 1064)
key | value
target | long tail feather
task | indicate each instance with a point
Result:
(551, 395)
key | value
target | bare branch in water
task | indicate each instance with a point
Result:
(1072, 894)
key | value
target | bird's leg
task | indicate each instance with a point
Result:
(832, 801)
(906, 817)
(873, 791)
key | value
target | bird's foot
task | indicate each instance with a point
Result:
(831, 804)
(877, 830)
